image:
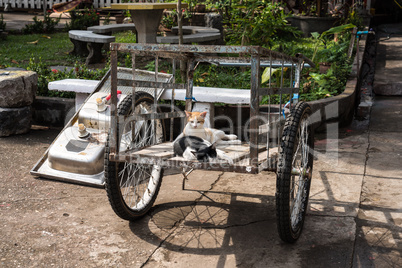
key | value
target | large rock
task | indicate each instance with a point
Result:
(15, 120)
(18, 88)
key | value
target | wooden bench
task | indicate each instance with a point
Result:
(192, 34)
(87, 43)
(112, 28)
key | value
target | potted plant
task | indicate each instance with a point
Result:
(316, 16)
(324, 66)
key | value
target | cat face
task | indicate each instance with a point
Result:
(196, 119)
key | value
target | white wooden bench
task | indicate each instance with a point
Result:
(95, 42)
(111, 28)
(205, 97)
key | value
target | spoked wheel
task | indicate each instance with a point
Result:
(132, 188)
(294, 170)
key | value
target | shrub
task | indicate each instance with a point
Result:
(258, 23)
(46, 75)
(81, 20)
(48, 25)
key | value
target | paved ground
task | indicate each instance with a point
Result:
(17, 20)
(220, 220)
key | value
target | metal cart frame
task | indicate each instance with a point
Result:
(261, 155)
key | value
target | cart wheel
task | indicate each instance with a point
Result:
(132, 188)
(295, 167)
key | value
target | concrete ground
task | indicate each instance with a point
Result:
(16, 21)
(220, 219)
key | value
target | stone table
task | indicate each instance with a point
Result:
(17, 93)
(146, 17)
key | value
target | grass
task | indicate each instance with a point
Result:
(53, 49)
(16, 50)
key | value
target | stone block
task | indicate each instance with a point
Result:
(15, 120)
(17, 88)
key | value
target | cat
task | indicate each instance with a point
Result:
(195, 148)
(195, 127)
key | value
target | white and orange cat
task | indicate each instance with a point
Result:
(195, 127)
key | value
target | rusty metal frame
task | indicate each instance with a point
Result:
(251, 55)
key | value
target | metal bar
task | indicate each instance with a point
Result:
(172, 100)
(269, 109)
(168, 163)
(133, 100)
(254, 109)
(155, 109)
(113, 107)
(162, 48)
(152, 116)
(263, 64)
(189, 91)
(305, 59)
(238, 61)
(150, 84)
(161, 54)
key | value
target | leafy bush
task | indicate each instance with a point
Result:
(48, 25)
(46, 75)
(81, 20)
(259, 22)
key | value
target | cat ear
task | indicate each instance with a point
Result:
(203, 114)
(188, 114)
(213, 146)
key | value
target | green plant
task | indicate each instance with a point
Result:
(169, 19)
(106, 21)
(333, 30)
(47, 25)
(46, 75)
(258, 22)
(82, 19)
(2, 23)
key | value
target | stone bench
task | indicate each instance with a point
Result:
(112, 28)
(81, 87)
(192, 34)
(84, 40)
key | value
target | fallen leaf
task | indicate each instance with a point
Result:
(45, 36)
(34, 42)
(14, 61)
